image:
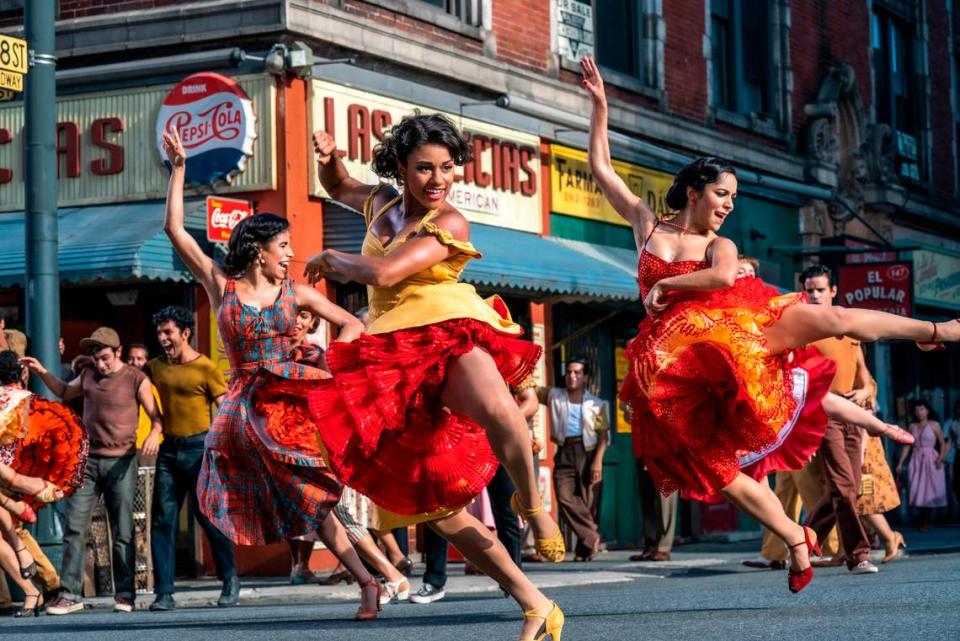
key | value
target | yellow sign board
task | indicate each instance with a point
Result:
(13, 54)
(7, 94)
(622, 371)
(574, 192)
(12, 81)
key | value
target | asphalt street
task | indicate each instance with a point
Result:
(700, 597)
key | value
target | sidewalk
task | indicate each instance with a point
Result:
(610, 567)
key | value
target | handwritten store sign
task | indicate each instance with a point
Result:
(885, 287)
(937, 278)
(216, 123)
(574, 192)
(104, 141)
(223, 214)
(501, 186)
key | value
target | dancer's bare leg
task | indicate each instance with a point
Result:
(482, 548)
(334, 536)
(759, 502)
(370, 551)
(846, 411)
(300, 552)
(803, 324)
(8, 534)
(390, 546)
(475, 388)
(8, 561)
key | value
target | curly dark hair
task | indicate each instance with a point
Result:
(697, 174)
(412, 132)
(248, 237)
(817, 270)
(181, 317)
(10, 368)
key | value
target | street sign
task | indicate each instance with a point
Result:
(13, 55)
(12, 81)
(7, 94)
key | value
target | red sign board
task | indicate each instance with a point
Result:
(223, 214)
(886, 287)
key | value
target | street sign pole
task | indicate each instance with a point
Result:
(43, 275)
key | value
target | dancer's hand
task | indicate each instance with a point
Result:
(861, 396)
(592, 81)
(151, 445)
(173, 147)
(318, 267)
(324, 146)
(33, 365)
(654, 303)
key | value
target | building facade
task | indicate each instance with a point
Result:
(841, 118)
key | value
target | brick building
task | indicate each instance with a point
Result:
(840, 116)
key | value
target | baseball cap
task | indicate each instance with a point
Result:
(101, 336)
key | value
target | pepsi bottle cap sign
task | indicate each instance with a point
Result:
(216, 123)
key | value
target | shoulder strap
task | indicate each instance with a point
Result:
(430, 215)
(650, 235)
(368, 214)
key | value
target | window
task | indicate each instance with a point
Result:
(469, 11)
(955, 76)
(623, 35)
(741, 56)
(895, 84)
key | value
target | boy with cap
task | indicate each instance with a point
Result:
(113, 393)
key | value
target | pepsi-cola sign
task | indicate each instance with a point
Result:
(216, 123)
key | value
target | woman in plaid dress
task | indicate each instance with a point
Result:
(254, 489)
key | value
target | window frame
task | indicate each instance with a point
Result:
(431, 14)
(775, 121)
(651, 31)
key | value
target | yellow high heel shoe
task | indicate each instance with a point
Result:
(552, 548)
(552, 623)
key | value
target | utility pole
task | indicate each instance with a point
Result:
(43, 272)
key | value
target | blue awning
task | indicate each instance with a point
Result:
(119, 242)
(520, 262)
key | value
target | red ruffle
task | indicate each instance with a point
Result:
(54, 448)
(384, 428)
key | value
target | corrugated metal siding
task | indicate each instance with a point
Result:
(343, 228)
(114, 242)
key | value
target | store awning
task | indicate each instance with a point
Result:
(520, 262)
(102, 243)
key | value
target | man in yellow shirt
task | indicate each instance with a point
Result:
(137, 356)
(190, 387)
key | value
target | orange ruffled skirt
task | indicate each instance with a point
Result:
(382, 424)
(708, 399)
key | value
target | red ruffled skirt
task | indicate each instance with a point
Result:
(708, 399)
(383, 426)
(53, 446)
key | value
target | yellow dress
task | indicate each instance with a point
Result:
(386, 432)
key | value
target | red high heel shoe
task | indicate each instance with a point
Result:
(933, 345)
(370, 614)
(25, 513)
(799, 579)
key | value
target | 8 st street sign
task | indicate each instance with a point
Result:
(13, 62)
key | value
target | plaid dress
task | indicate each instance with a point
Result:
(259, 486)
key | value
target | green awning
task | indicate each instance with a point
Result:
(119, 242)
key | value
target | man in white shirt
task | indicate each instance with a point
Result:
(578, 425)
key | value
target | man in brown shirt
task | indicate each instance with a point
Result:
(840, 451)
(113, 393)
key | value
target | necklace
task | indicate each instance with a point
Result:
(681, 228)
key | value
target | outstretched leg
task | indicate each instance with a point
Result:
(759, 502)
(479, 546)
(846, 411)
(475, 388)
(803, 324)
(334, 536)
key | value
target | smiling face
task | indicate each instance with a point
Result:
(172, 339)
(276, 255)
(137, 357)
(303, 324)
(712, 206)
(429, 174)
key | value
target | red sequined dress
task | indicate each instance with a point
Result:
(708, 399)
(385, 430)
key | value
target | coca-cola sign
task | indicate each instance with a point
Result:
(216, 123)
(223, 214)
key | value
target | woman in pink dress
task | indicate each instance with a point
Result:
(925, 473)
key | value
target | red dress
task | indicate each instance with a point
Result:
(708, 399)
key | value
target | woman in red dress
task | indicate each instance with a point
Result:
(714, 369)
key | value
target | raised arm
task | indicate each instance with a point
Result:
(349, 325)
(628, 204)
(721, 273)
(333, 174)
(203, 268)
(413, 256)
